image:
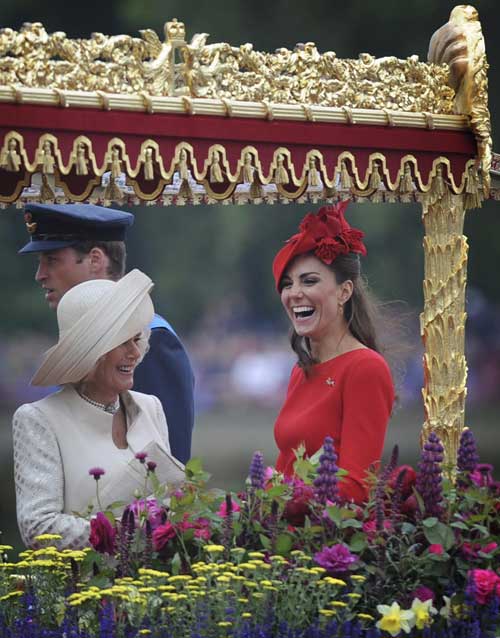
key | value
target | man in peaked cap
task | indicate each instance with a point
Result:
(78, 242)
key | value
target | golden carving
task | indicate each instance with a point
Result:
(460, 44)
(442, 322)
(124, 64)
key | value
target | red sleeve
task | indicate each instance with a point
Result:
(367, 404)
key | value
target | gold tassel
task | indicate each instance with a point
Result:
(48, 160)
(375, 180)
(256, 191)
(248, 170)
(473, 197)
(113, 192)
(439, 190)
(116, 165)
(345, 178)
(81, 161)
(406, 180)
(314, 179)
(12, 162)
(182, 166)
(46, 192)
(280, 173)
(215, 169)
(149, 173)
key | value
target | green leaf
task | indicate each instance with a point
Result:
(194, 466)
(284, 544)
(351, 522)
(357, 542)
(266, 542)
(335, 514)
(430, 522)
(459, 525)
(175, 565)
(440, 534)
(407, 528)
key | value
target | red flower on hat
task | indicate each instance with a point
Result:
(326, 233)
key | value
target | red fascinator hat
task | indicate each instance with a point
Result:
(326, 234)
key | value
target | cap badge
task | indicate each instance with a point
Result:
(330, 381)
(30, 226)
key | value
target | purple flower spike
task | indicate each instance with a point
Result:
(257, 471)
(141, 456)
(326, 482)
(467, 457)
(337, 558)
(429, 479)
(151, 465)
(97, 472)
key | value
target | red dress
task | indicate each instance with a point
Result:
(349, 398)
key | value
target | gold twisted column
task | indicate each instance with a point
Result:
(442, 322)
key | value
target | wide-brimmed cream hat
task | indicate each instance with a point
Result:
(94, 317)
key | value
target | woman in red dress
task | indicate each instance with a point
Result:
(341, 385)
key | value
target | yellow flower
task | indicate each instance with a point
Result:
(256, 555)
(243, 600)
(358, 578)
(5, 548)
(214, 549)
(394, 619)
(246, 614)
(48, 537)
(365, 616)
(338, 603)
(422, 611)
(237, 550)
(354, 596)
(334, 581)
(327, 612)
(144, 632)
(224, 623)
(12, 594)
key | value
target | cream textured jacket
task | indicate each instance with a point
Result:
(58, 439)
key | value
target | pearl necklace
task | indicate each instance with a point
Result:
(110, 408)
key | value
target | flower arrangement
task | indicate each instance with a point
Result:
(282, 558)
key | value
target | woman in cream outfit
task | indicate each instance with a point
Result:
(94, 420)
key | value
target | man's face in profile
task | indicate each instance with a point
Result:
(59, 270)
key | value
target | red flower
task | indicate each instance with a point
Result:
(297, 508)
(162, 535)
(408, 481)
(436, 548)
(329, 249)
(485, 584)
(102, 534)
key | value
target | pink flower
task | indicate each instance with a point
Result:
(269, 473)
(423, 593)
(162, 535)
(222, 511)
(370, 528)
(141, 456)
(485, 583)
(97, 472)
(336, 558)
(154, 512)
(102, 534)
(436, 548)
(482, 475)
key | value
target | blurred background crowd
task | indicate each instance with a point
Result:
(212, 264)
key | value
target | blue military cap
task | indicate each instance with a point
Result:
(53, 226)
